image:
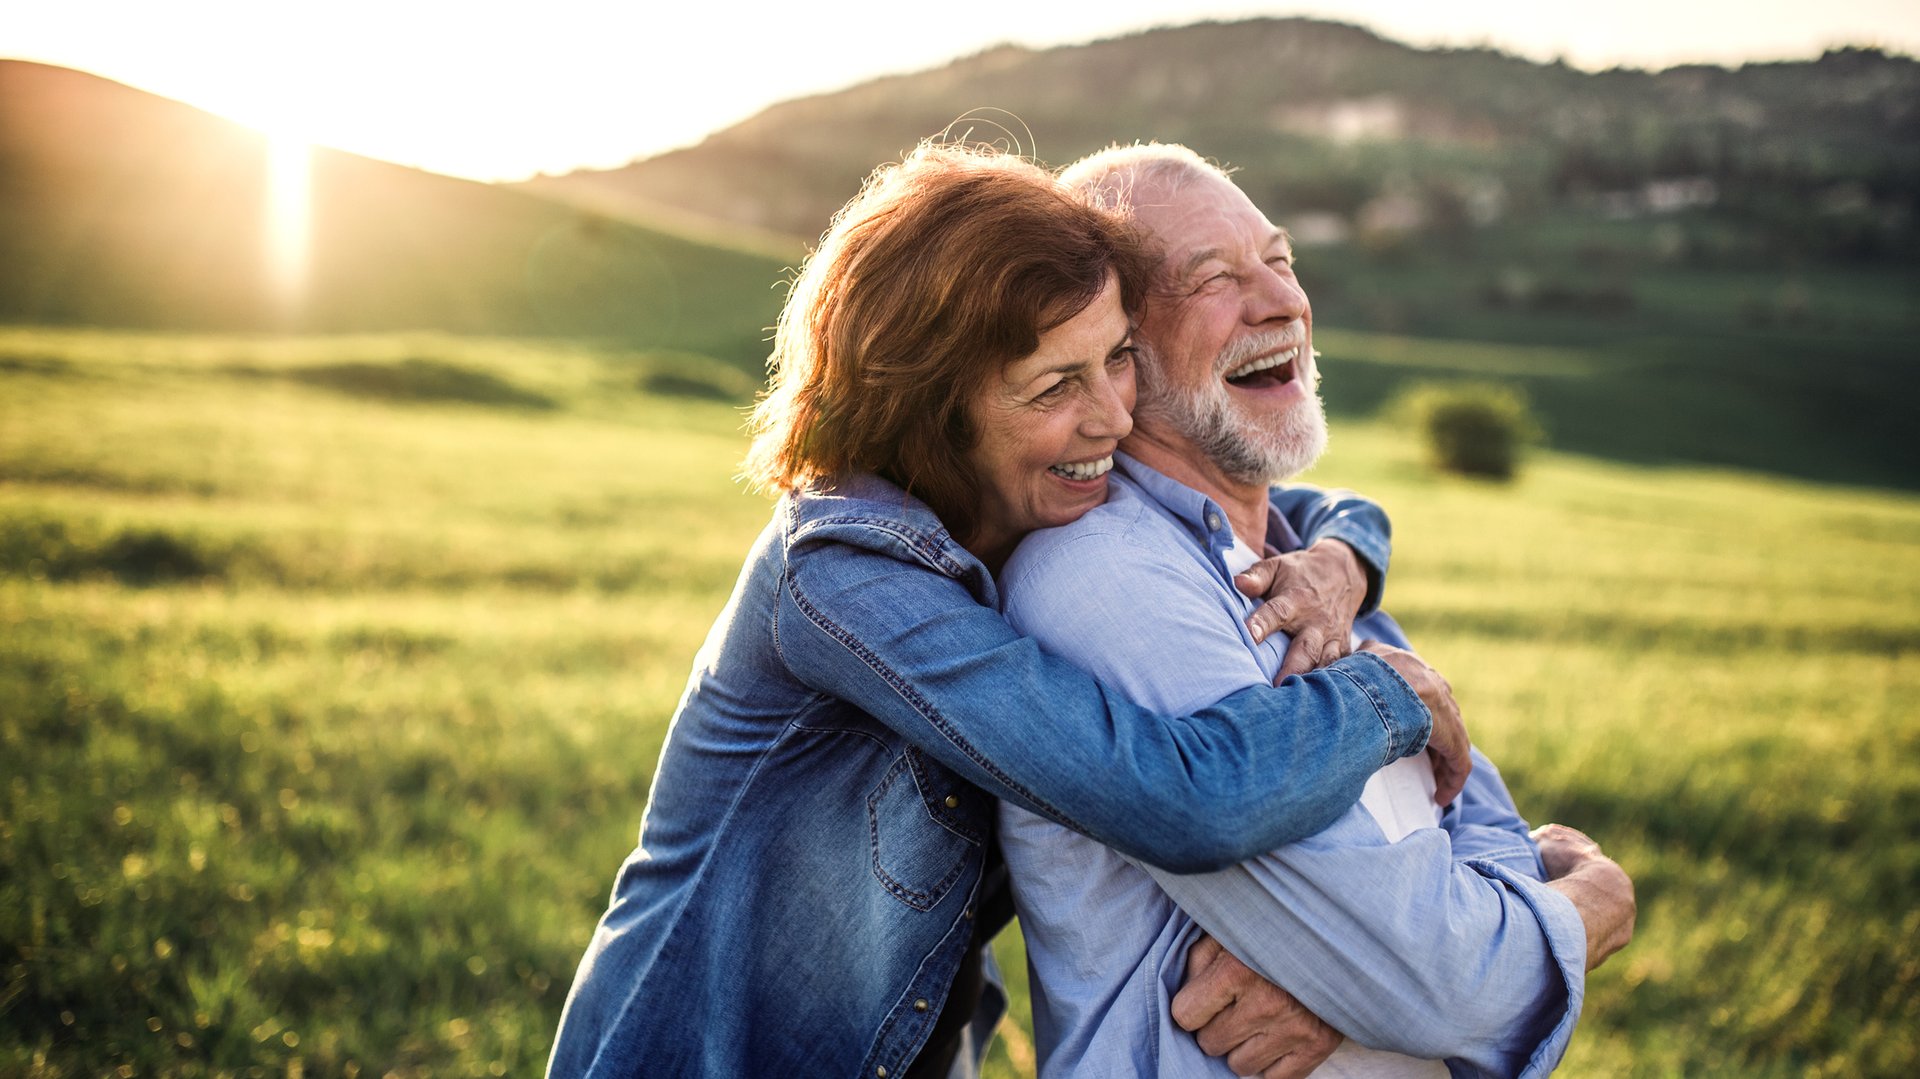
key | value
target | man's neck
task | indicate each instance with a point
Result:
(1174, 457)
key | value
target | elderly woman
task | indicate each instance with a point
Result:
(815, 882)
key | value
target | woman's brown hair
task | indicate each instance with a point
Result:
(945, 268)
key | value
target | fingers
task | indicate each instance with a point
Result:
(1297, 1065)
(1318, 589)
(1272, 616)
(1451, 754)
(1290, 1050)
(1295, 1061)
(1258, 577)
(1562, 848)
(1311, 649)
(1302, 656)
(1448, 781)
(1208, 987)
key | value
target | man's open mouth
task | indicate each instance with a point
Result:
(1274, 370)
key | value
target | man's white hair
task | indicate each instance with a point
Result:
(1108, 178)
(1119, 179)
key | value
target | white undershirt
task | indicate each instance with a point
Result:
(1400, 799)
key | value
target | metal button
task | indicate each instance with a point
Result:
(1213, 521)
(881, 1071)
(953, 801)
(967, 914)
(920, 1005)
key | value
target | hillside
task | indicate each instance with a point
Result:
(1698, 265)
(119, 208)
(1331, 119)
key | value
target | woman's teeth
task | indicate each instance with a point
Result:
(1088, 470)
(1276, 360)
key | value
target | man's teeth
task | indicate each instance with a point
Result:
(1275, 360)
(1087, 471)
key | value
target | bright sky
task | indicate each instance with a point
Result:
(490, 90)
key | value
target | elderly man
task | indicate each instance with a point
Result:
(1419, 934)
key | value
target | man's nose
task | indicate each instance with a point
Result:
(1275, 295)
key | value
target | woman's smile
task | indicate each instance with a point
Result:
(1046, 429)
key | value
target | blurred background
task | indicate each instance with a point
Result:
(370, 396)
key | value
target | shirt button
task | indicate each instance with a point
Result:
(953, 801)
(920, 1005)
(1213, 521)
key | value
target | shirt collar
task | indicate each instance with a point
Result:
(1199, 514)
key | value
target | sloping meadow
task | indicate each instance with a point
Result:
(333, 672)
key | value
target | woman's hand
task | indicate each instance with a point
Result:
(1311, 595)
(1447, 744)
(1255, 1024)
(1601, 891)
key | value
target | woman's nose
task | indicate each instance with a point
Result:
(1111, 411)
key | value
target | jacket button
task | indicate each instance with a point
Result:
(953, 801)
(920, 1005)
(881, 1071)
(967, 914)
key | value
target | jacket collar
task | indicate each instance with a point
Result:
(866, 511)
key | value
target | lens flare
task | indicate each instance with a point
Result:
(289, 225)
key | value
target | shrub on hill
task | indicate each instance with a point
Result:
(1471, 428)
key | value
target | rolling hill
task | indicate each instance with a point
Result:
(1327, 118)
(1698, 265)
(122, 209)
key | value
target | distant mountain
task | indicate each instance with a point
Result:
(120, 208)
(1358, 133)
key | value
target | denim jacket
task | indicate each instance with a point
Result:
(814, 853)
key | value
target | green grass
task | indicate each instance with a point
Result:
(333, 672)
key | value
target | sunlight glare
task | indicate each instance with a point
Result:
(289, 225)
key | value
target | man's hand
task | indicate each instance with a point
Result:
(1311, 595)
(1601, 891)
(1255, 1024)
(1448, 745)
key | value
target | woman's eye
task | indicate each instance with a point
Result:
(1124, 355)
(1052, 391)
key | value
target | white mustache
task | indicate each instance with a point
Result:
(1260, 344)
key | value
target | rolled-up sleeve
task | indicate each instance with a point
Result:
(1403, 946)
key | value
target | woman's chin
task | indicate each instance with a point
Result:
(1076, 498)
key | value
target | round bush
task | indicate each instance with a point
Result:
(1472, 428)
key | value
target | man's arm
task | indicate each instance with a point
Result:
(1400, 946)
(1403, 946)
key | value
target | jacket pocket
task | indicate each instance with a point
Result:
(921, 845)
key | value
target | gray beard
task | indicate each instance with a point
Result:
(1247, 450)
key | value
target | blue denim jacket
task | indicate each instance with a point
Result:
(812, 857)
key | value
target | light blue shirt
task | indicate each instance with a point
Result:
(1443, 945)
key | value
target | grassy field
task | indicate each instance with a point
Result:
(333, 672)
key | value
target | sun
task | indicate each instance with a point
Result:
(289, 222)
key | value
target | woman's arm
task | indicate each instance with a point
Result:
(1263, 767)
